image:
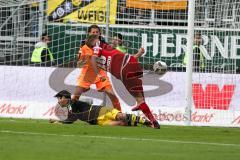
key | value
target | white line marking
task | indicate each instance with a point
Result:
(121, 138)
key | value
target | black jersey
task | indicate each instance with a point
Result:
(83, 111)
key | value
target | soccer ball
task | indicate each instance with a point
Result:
(160, 67)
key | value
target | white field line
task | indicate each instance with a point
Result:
(121, 138)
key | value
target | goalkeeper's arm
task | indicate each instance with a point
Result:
(81, 63)
(59, 121)
(72, 117)
(81, 60)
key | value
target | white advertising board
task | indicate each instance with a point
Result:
(27, 92)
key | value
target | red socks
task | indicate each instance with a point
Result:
(145, 109)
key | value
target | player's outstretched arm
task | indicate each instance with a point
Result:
(81, 63)
(82, 58)
(140, 52)
(61, 122)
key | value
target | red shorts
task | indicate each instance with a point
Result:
(130, 75)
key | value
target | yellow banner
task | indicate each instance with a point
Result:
(87, 11)
(158, 5)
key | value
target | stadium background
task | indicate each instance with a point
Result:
(161, 29)
(26, 90)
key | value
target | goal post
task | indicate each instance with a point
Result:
(189, 67)
(198, 40)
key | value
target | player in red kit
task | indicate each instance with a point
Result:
(125, 68)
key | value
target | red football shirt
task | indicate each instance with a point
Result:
(110, 59)
(127, 69)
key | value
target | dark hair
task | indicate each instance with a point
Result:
(89, 40)
(119, 36)
(45, 35)
(93, 26)
(63, 93)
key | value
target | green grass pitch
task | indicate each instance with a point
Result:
(24, 139)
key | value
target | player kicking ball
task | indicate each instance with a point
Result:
(95, 114)
(125, 68)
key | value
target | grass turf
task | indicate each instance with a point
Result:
(25, 139)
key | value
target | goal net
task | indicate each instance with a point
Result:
(159, 26)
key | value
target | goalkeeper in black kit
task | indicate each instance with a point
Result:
(95, 114)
